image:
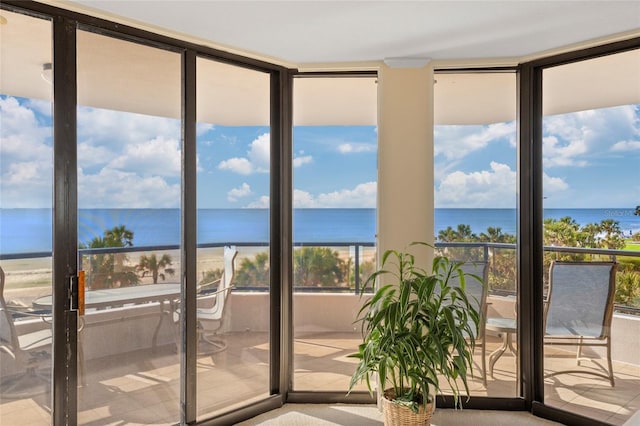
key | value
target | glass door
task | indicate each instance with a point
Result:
(129, 197)
(233, 262)
(335, 147)
(475, 162)
(26, 200)
(592, 237)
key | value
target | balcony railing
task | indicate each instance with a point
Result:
(484, 251)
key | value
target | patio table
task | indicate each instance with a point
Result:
(507, 327)
(104, 298)
(134, 295)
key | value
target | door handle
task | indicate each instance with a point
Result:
(76, 293)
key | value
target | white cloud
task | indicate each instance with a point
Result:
(302, 199)
(22, 137)
(580, 138)
(495, 188)
(41, 106)
(348, 148)
(362, 195)
(259, 153)
(243, 191)
(26, 157)
(89, 155)
(300, 161)
(202, 128)
(128, 160)
(553, 185)
(260, 203)
(238, 165)
(623, 146)
(159, 156)
(558, 154)
(117, 129)
(257, 160)
(454, 142)
(116, 188)
(27, 184)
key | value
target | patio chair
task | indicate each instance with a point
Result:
(579, 310)
(476, 279)
(30, 352)
(212, 305)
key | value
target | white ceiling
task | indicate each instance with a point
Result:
(302, 32)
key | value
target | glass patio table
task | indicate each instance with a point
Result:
(133, 295)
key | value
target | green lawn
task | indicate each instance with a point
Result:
(631, 245)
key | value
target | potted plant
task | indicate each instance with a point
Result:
(418, 328)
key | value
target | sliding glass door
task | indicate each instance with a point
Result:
(591, 153)
(335, 145)
(26, 201)
(475, 176)
(233, 237)
(129, 197)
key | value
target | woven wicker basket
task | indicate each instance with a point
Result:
(400, 415)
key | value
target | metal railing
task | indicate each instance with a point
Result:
(486, 250)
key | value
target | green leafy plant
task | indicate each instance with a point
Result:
(418, 328)
(628, 288)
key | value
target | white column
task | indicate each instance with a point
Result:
(405, 159)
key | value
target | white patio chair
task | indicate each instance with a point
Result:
(580, 309)
(30, 351)
(212, 306)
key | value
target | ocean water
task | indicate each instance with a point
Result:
(29, 230)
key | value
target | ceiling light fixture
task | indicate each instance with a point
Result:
(3, 20)
(406, 62)
(47, 72)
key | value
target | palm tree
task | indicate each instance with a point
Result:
(119, 236)
(465, 234)
(154, 266)
(317, 266)
(588, 235)
(447, 235)
(108, 270)
(496, 235)
(613, 237)
(254, 273)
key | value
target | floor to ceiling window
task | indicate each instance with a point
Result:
(26, 199)
(233, 193)
(334, 200)
(129, 194)
(591, 154)
(475, 209)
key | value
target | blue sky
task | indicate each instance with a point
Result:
(591, 159)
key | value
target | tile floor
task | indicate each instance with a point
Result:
(143, 387)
